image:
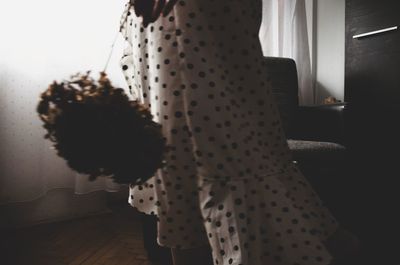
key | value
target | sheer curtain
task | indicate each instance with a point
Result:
(283, 33)
(42, 41)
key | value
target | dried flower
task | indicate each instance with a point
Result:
(99, 131)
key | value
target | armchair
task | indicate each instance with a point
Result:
(316, 134)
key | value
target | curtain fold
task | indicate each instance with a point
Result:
(283, 33)
(42, 41)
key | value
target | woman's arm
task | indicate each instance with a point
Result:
(150, 10)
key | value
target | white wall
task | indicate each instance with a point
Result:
(42, 41)
(329, 49)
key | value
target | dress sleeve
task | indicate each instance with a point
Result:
(126, 61)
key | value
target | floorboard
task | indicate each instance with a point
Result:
(110, 239)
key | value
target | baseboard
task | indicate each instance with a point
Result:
(56, 206)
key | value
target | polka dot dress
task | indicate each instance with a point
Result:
(229, 179)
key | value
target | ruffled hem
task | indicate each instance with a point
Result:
(274, 220)
(277, 219)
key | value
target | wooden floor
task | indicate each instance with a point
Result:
(107, 239)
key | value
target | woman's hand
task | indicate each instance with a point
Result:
(150, 10)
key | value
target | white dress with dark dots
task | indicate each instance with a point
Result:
(229, 178)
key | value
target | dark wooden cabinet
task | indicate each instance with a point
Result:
(372, 93)
(372, 62)
(372, 82)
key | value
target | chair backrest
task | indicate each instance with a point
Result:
(282, 74)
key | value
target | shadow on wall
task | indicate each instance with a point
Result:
(322, 92)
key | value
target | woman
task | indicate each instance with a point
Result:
(229, 180)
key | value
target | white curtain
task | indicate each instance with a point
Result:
(283, 33)
(42, 41)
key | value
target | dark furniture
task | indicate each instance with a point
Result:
(372, 79)
(372, 61)
(372, 90)
(316, 135)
